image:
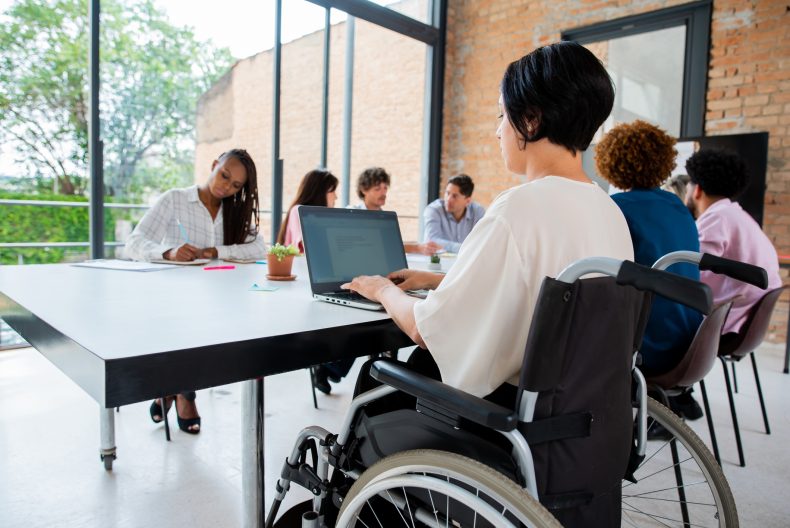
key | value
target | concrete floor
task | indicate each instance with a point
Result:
(50, 474)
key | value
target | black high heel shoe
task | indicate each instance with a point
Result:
(156, 409)
(185, 423)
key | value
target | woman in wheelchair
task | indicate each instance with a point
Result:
(552, 358)
(476, 320)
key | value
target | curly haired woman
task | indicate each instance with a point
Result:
(638, 157)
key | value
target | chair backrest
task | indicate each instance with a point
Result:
(578, 357)
(701, 354)
(753, 330)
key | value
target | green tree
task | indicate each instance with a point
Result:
(152, 74)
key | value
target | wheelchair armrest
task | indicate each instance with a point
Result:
(754, 275)
(676, 288)
(463, 404)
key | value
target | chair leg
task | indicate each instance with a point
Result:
(167, 423)
(679, 481)
(734, 378)
(760, 394)
(312, 386)
(734, 415)
(711, 430)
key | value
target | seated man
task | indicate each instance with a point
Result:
(726, 230)
(372, 187)
(449, 221)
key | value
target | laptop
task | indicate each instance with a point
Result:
(341, 244)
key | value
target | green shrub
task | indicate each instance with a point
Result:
(28, 223)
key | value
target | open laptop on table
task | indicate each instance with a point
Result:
(341, 244)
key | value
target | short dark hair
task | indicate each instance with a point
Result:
(718, 172)
(370, 178)
(563, 90)
(464, 183)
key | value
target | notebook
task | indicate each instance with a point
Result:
(341, 244)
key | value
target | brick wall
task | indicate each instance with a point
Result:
(387, 120)
(748, 86)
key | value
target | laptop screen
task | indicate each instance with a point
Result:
(341, 244)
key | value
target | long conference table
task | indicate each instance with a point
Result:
(131, 336)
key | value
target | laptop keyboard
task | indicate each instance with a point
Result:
(351, 296)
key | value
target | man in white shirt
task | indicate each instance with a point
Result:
(372, 187)
(449, 221)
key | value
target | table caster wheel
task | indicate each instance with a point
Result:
(107, 460)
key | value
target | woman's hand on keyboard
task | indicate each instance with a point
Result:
(408, 279)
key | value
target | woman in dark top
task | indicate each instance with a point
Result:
(638, 157)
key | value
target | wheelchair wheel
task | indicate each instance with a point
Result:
(679, 481)
(436, 488)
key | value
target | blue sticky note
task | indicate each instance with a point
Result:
(260, 262)
(257, 287)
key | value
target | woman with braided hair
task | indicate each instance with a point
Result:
(216, 219)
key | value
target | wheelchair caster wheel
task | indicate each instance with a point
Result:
(107, 460)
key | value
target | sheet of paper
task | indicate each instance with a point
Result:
(196, 262)
(125, 265)
(239, 261)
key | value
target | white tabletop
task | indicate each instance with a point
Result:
(117, 314)
(126, 336)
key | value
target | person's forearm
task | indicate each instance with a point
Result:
(401, 308)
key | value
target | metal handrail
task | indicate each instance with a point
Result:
(52, 203)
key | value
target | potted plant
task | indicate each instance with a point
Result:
(280, 259)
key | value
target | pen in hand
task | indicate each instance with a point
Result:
(183, 231)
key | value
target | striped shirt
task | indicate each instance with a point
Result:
(158, 231)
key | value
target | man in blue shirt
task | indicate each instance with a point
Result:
(449, 221)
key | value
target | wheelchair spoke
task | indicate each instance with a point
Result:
(374, 515)
(637, 497)
(664, 469)
(637, 510)
(659, 517)
(363, 522)
(408, 507)
(474, 522)
(667, 489)
(397, 509)
(433, 506)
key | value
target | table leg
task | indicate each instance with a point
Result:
(107, 440)
(252, 475)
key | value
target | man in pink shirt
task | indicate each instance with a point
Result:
(726, 230)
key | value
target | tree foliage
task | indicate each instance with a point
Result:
(152, 74)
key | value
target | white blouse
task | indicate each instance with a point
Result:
(476, 322)
(158, 231)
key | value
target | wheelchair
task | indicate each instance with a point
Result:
(570, 448)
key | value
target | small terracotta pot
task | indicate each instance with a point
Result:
(280, 268)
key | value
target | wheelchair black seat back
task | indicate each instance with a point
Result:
(578, 357)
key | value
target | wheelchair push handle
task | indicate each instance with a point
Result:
(748, 273)
(676, 288)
